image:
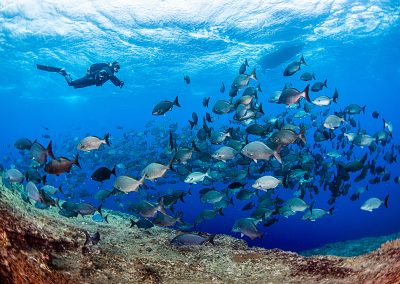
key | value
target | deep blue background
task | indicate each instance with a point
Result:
(359, 55)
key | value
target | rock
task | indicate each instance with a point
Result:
(41, 246)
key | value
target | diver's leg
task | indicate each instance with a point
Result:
(80, 83)
(48, 68)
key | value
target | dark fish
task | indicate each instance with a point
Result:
(208, 117)
(335, 96)
(172, 144)
(236, 184)
(195, 120)
(91, 240)
(354, 109)
(165, 106)
(248, 206)
(102, 174)
(39, 153)
(307, 76)
(375, 114)
(206, 100)
(291, 96)
(103, 194)
(318, 86)
(142, 223)
(40, 196)
(46, 136)
(257, 129)
(23, 144)
(164, 220)
(33, 175)
(270, 222)
(222, 88)
(61, 165)
(386, 177)
(242, 68)
(192, 240)
(186, 79)
(233, 92)
(81, 208)
(293, 67)
(66, 213)
(245, 194)
(353, 122)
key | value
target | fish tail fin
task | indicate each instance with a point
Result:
(330, 211)
(246, 63)
(194, 147)
(60, 189)
(302, 136)
(253, 74)
(208, 173)
(106, 218)
(384, 123)
(88, 239)
(363, 109)
(259, 87)
(176, 102)
(277, 155)
(107, 139)
(325, 83)
(335, 96)
(312, 206)
(44, 179)
(171, 162)
(50, 149)
(190, 191)
(230, 132)
(231, 201)
(313, 75)
(302, 61)
(99, 209)
(113, 171)
(385, 201)
(211, 239)
(220, 212)
(76, 162)
(161, 207)
(57, 202)
(191, 124)
(305, 93)
(133, 223)
(285, 180)
(179, 217)
(141, 181)
(181, 197)
(260, 109)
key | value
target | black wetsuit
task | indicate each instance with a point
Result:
(97, 74)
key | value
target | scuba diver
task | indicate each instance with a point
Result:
(97, 74)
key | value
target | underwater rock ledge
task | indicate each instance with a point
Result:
(40, 246)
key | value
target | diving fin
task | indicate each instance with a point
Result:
(48, 68)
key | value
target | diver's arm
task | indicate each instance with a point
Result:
(117, 82)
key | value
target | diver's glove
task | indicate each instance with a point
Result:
(121, 84)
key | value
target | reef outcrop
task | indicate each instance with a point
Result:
(40, 246)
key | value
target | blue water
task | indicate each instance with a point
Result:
(352, 44)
